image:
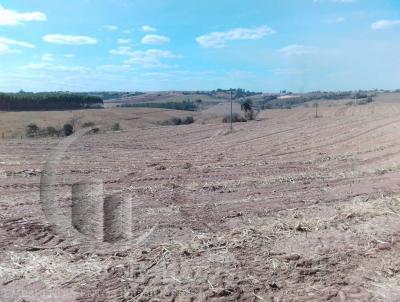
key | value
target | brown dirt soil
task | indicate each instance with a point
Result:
(287, 208)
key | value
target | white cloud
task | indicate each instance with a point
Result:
(5, 44)
(113, 68)
(128, 31)
(385, 24)
(110, 27)
(219, 39)
(148, 29)
(69, 39)
(335, 20)
(4, 49)
(339, 20)
(147, 59)
(16, 43)
(124, 41)
(155, 39)
(294, 50)
(45, 66)
(11, 17)
(286, 71)
(122, 51)
(69, 55)
(47, 57)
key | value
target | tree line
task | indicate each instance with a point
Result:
(23, 101)
(185, 105)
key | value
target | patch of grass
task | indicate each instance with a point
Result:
(88, 125)
(370, 208)
(236, 118)
(116, 127)
(51, 131)
(49, 267)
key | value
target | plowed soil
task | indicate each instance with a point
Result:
(286, 208)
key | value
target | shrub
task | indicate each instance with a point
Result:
(365, 101)
(68, 129)
(87, 125)
(236, 118)
(32, 130)
(51, 131)
(360, 95)
(188, 120)
(176, 121)
(115, 127)
(97, 106)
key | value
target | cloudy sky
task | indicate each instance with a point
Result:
(263, 45)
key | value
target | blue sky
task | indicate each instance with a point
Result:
(263, 45)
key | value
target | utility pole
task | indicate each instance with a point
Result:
(231, 112)
(316, 109)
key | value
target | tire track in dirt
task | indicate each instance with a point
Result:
(294, 130)
(334, 142)
(26, 235)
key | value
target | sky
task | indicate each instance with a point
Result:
(153, 45)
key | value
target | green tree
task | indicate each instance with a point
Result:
(247, 107)
(68, 129)
(31, 130)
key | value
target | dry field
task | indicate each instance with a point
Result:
(12, 124)
(287, 208)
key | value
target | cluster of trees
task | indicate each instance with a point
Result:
(249, 114)
(32, 130)
(236, 93)
(107, 95)
(361, 101)
(185, 105)
(241, 93)
(176, 121)
(361, 95)
(272, 102)
(23, 101)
